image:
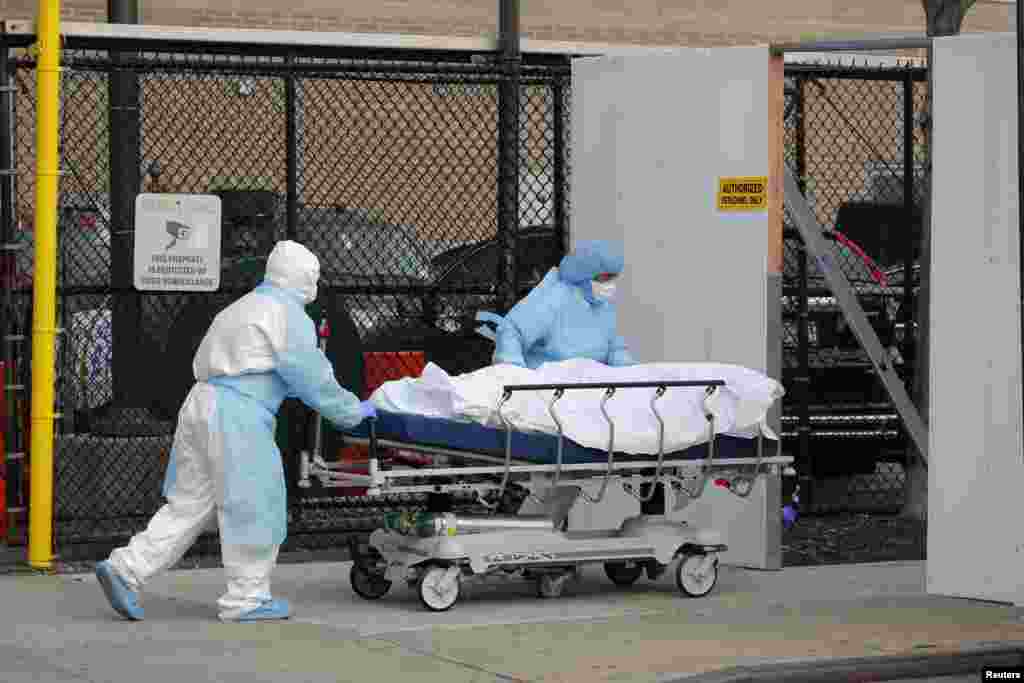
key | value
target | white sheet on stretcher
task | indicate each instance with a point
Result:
(739, 407)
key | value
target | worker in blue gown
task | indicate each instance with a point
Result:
(225, 467)
(570, 314)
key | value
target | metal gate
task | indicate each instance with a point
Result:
(388, 165)
(385, 163)
(855, 139)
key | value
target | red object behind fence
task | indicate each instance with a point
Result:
(380, 367)
(384, 366)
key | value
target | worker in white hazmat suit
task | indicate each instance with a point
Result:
(225, 465)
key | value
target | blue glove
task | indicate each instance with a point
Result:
(368, 410)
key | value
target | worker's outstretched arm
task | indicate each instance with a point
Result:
(310, 376)
(525, 325)
(619, 355)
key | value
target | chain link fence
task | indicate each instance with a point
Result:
(385, 164)
(855, 140)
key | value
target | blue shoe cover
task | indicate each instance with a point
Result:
(123, 599)
(269, 611)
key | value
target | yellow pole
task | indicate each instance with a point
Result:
(44, 292)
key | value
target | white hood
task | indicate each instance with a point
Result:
(293, 267)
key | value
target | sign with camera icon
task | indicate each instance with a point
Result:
(177, 242)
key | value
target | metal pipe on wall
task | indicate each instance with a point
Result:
(1020, 157)
(508, 151)
(44, 286)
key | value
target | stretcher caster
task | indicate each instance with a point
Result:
(696, 575)
(655, 570)
(439, 587)
(623, 574)
(551, 585)
(367, 585)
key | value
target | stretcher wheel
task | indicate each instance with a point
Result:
(438, 590)
(367, 585)
(696, 575)
(621, 574)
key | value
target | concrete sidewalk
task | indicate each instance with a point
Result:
(60, 628)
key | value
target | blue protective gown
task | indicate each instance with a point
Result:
(561, 319)
(254, 500)
(225, 465)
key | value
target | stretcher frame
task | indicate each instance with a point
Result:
(437, 554)
(677, 473)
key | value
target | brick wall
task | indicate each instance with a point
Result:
(413, 154)
(687, 22)
(347, 165)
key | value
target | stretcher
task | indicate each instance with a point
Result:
(527, 484)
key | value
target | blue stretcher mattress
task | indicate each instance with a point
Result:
(529, 447)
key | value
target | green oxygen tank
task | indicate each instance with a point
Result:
(411, 523)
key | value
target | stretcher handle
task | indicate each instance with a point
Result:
(615, 385)
(661, 446)
(561, 437)
(709, 460)
(757, 464)
(710, 417)
(506, 395)
(609, 392)
(561, 443)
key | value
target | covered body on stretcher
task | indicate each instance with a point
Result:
(649, 421)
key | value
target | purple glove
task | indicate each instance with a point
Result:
(368, 410)
(789, 516)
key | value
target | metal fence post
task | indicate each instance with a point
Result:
(803, 380)
(558, 93)
(908, 203)
(126, 307)
(292, 145)
(508, 152)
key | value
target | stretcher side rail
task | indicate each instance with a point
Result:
(609, 391)
(509, 388)
(379, 481)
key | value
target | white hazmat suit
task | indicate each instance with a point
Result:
(225, 464)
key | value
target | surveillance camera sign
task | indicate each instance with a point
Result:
(177, 242)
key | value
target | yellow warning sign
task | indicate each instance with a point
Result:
(748, 193)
